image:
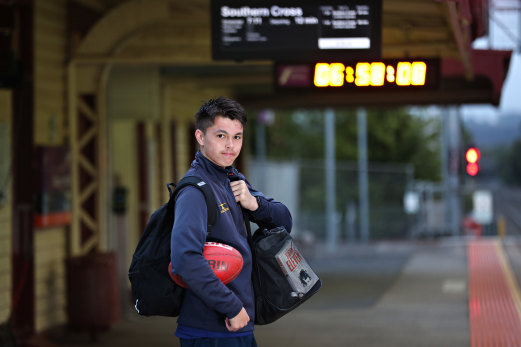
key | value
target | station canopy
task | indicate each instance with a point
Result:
(438, 30)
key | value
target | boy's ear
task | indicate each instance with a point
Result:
(199, 135)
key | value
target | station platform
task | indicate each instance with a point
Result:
(442, 292)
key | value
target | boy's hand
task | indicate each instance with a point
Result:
(237, 322)
(243, 196)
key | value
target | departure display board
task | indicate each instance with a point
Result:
(296, 30)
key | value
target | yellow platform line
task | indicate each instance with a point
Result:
(509, 276)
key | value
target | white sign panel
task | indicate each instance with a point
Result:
(411, 202)
(299, 274)
(483, 208)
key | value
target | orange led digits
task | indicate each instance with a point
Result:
(411, 74)
(403, 74)
(371, 74)
(377, 74)
(329, 75)
(363, 74)
(419, 70)
(350, 74)
(390, 74)
(337, 75)
(321, 75)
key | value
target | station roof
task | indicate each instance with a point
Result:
(441, 29)
(433, 28)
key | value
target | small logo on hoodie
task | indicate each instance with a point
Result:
(224, 207)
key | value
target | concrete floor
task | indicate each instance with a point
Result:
(382, 294)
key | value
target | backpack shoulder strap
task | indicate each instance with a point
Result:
(211, 202)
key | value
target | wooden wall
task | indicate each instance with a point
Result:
(49, 113)
(155, 102)
(50, 298)
(5, 204)
(50, 47)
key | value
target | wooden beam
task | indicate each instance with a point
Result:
(86, 164)
(104, 188)
(428, 46)
(89, 135)
(90, 244)
(410, 7)
(420, 20)
(89, 191)
(89, 221)
(153, 59)
(462, 41)
(87, 110)
(72, 102)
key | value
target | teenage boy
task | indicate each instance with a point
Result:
(214, 314)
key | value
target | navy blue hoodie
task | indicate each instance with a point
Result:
(207, 301)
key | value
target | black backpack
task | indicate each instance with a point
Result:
(153, 290)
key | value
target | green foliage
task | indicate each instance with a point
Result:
(394, 136)
(296, 135)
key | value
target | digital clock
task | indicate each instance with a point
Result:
(374, 74)
(360, 75)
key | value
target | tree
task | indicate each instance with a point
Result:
(394, 136)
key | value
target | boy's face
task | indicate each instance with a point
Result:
(222, 142)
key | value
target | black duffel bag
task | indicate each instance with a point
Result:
(282, 278)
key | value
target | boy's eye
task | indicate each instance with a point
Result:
(220, 136)
(238, 137)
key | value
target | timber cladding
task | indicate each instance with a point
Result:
(49, 113)
(49, 71)
(50, 291)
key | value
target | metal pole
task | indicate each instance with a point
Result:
(454, 183)
(519, 28)
(331, 227)
(445, 148)
(450, 160)
(363, 185)
(490, 24)
(261, 152)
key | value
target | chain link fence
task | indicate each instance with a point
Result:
(303, 185)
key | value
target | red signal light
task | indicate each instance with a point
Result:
(472, 169)
(472, 156)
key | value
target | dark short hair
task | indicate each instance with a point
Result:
(221, 106)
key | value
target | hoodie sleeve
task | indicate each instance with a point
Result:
(271, 213)
(187, 245)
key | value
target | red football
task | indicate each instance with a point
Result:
(225, 261)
